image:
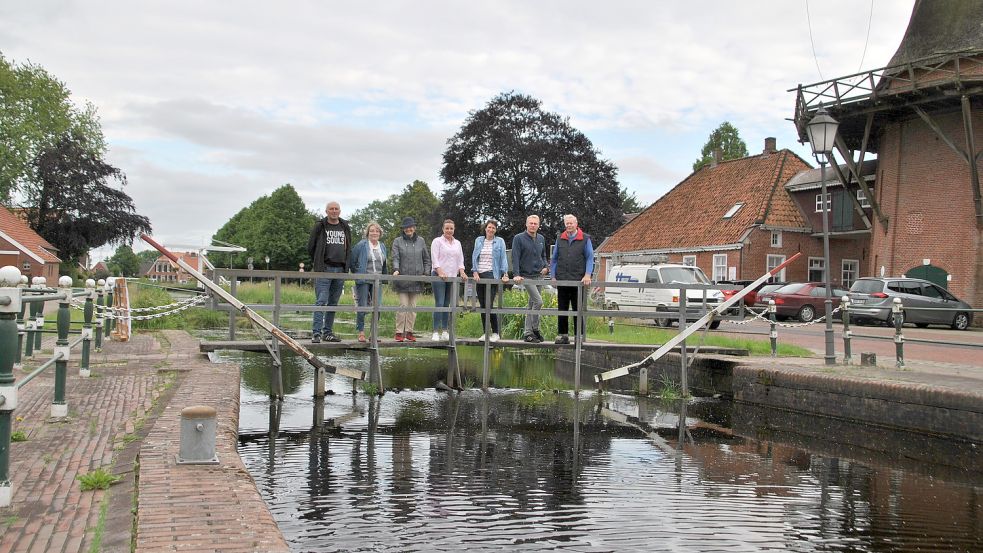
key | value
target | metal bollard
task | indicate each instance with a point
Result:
(897, 310)
(847, 333)
(610, 325)
(197, 436)
(59, 408)
(9, 279)
(87, 311)
(21, 328)
(773, 336)
(39, 318)
(100, 311)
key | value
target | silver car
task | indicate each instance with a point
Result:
(871, 298)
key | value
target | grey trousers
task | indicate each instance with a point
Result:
(535, 302)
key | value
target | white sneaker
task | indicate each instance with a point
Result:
(435, 337)
(445, 336)
(494, 337)
(481, 338)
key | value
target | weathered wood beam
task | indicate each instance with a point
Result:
(974, 172)
(855, 171)
(846, 186)
(938, 131)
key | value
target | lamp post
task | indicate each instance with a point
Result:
(822, 133)
(267, 263)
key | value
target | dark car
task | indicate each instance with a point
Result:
(767, 288)
(751, 297)
(802, 300)
(872, 297)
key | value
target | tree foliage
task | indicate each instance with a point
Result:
(512, 159)
(727, 140)
(36, 113)
(74, 205)
(124, 262)
(277, 225)
(416, 200)
(147, 256)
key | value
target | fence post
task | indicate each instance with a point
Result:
(375, 368)
(110, 308)
(578, 338)
(58, 406)
(90, 288)
(39, 316)
(486, 343)
(683, 354)
(847, 333)
(277, 283)
(21, 326)
(100, 311)
(897, 310)
(9, 279)
(233, 288)
(453, 368)
(773, 320)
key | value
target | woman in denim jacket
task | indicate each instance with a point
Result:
(488, 263)
(368, 257)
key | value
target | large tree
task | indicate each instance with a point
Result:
(78, 203)
(277, 225)
(416, 200)
(512, 159)
(124, 262)
(36, 113)
(726, 139)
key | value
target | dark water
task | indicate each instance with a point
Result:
(538, 470)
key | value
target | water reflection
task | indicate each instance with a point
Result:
(539, 470)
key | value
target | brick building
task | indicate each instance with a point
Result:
(23, 248)
(921, 116)
(165, 270)
(735, 220)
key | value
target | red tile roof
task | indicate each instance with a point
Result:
(16, 229)
(691, 215)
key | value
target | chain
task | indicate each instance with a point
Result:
(760, 315)
(110, 312)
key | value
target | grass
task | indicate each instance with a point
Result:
(99, 479)
(100, 528)
(669, 389)
(18, 436)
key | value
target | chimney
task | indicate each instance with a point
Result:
(717, 155)
(770, 145)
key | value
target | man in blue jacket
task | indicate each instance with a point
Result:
(573, 259)
(529, 266)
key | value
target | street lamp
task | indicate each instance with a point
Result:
(267, 263)
(822, 134)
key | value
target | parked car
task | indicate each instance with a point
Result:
(751, 297)
(801, 300)
(872, 298)
(770, 287)
(662, 299)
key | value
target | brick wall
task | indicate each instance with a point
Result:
(924, 190)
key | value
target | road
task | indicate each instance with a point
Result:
(934, 344)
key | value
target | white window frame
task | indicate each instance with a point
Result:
(776, 238)
(733, 211)
(774, 260)
(862, 198)
(816, 264)
(819, 202)
(689, 260)
(846, 281)
(719, 266)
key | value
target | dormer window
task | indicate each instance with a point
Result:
(733, 211)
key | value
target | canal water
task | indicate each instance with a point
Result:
(529, 467)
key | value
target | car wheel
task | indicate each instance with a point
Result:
(663, 322)
(921, 325)
(714, 325)
(961, 321)
(807, 313)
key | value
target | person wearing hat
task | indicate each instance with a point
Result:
(411, 257)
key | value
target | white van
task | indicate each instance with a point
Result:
(661, 299)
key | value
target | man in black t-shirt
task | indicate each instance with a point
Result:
(329, 246)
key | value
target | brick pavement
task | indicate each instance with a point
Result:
(112, 418)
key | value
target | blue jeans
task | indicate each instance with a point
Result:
(441, 298)
(327, 292)
(363, 293)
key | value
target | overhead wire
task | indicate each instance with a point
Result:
(870, 17)
(812, 41)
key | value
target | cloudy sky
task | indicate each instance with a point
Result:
(209, 105)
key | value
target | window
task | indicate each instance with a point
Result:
(719, 266)
(689, 260)
(652, 276)
(862, 198)
(733, 211)
(776, 238)
(848, 274)
(929, 290)
(819, 202)
(817, 269)
(775, 261)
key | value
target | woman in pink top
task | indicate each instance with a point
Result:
(448, 260)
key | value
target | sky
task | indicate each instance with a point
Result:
(207, 106)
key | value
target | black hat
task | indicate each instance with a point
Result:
(408, 222)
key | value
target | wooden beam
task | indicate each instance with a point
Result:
(938, 131)
(855, 171)
(846, 186)
(974, 172)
